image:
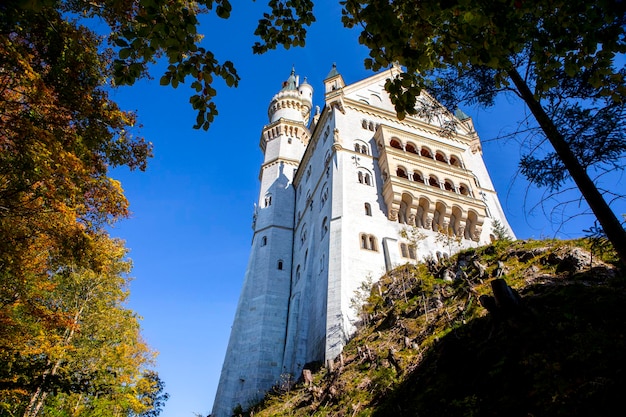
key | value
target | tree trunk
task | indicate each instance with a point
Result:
(39, 396)
(608, 220)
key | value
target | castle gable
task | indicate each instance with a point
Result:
(371, 92)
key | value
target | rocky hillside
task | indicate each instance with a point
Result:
(528, 328)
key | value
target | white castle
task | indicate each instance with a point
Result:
(335, 197)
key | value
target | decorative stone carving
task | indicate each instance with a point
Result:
(477, 231)
(411, 219)
(393, 215)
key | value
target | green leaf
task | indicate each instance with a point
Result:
(125, 53)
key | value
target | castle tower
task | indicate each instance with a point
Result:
(334, 202)
(253, 361)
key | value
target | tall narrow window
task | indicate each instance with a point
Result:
(372, 241)
(303, 235)
(368, 242)
(268, 200)
(368, 209)
(324, 226)
(280, 264)
(298, 273)
(264, 241)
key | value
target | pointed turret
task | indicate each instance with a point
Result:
(292, 102)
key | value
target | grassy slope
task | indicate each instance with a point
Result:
(430, 349)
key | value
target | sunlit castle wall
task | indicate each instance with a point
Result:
(334, 201)
(254, 356)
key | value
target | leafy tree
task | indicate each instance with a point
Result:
(66, 340)
(558, 57)
(140, 32)
(500, 232)
(87, 352)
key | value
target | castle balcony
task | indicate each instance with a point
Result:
(425, 183)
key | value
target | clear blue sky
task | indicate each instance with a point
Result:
(190, 231)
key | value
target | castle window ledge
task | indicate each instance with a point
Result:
(409, 158)
(399, 185)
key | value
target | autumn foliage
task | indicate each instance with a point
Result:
(68, 344)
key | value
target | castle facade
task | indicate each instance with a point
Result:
(336, 194)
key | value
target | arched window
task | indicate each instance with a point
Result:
(455, 221)
(412, 252)
(426, 153)
(264, 241)
(395, 143)
(463, 189)
(455, 161)
(364, 178)
(401, 172)
(298, 273)
(439, 217)
(303, 235)
(417, 177)
(434, 182)
(448, 185)
(411, 148)
(324, 195)
(371, 126)
(440, 157)
(268, 200)
(364, 124)
(368, 209)
(361, 148)
(470, 225)
(368, 242)
(324, 226)
(280, 264)
(373, 245)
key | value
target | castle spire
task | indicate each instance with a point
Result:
(293, 102)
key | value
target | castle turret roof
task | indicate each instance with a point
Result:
(332, 72)
(291, 83)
